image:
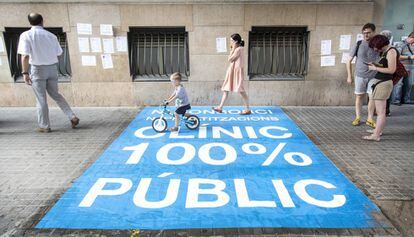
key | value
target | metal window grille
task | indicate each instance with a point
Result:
(156, 53)
(11, 38)
(278, 53)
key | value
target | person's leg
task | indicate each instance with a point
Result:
(361, 86)
(39, 88)
(371, 112)
(387, 109)
(380, 106)
(53, 91)
(223, 99)
(245, 100)
(358, 108)
(398, 92)
(177, 122)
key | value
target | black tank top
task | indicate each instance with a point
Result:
(384, 63)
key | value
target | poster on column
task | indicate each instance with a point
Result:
(106, 29)
(108, 45)
(233, 171)
(84, 29)
(96, 46)
(326, 47)
(121, 44)
(345, 42)
(83, 45)
(88, 60)
(221, 45)
(107, 61)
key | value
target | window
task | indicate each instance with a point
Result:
(278, 53)
(156, 53)
(11, 39)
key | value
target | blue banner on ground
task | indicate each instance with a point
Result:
(234, 171)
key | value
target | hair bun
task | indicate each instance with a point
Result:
(242, 43)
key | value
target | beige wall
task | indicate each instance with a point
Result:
(94, 86)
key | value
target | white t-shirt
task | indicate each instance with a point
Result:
(41, 45)
(182, 98)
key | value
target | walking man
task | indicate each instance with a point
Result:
(364, 55)
(41, 49)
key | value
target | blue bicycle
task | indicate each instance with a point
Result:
(160, 124)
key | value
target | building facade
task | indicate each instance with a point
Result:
(293, 49)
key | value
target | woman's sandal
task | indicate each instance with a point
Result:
(246, 112)
(372, 131)
(371, 138)
(217, 110)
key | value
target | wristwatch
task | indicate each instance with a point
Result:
(25, 73)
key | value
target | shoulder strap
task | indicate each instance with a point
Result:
(385, 53)
(408, 46)
(357, 48)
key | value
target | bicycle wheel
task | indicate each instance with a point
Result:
(159, 124)
(192, 122)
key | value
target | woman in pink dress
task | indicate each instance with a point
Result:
(235, 75)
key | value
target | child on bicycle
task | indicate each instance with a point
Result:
(181, 100)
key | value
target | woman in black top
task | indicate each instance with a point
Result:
(382, 83)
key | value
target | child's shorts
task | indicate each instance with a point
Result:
(181, 110)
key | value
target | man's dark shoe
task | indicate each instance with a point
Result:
(74, 122)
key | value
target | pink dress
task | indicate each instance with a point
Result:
(235, 72)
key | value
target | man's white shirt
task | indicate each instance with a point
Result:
(41, 45)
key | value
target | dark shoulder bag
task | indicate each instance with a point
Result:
(400, 71)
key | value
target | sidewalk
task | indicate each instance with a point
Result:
(36, 169)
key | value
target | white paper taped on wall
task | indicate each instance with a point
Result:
(106, 29)
(1, 45)
(107, 61)
(88, 61)
(96, 46)
(121, 44)
(345, 57)
(221, 45)
(345, 42)
(327, 61)
(359, 37)
(83, 45)
(84, 29)
(108, 45)
(326, 47)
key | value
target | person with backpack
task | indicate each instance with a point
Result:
(406, 50)
(364, 54)
(387, 69)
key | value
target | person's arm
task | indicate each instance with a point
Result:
(172, 97)
(25, 68)
(406, 57)
(349, 70)
(400, 48)
(235, 54)
(25, 50)
(59, 50)
(392, 64)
